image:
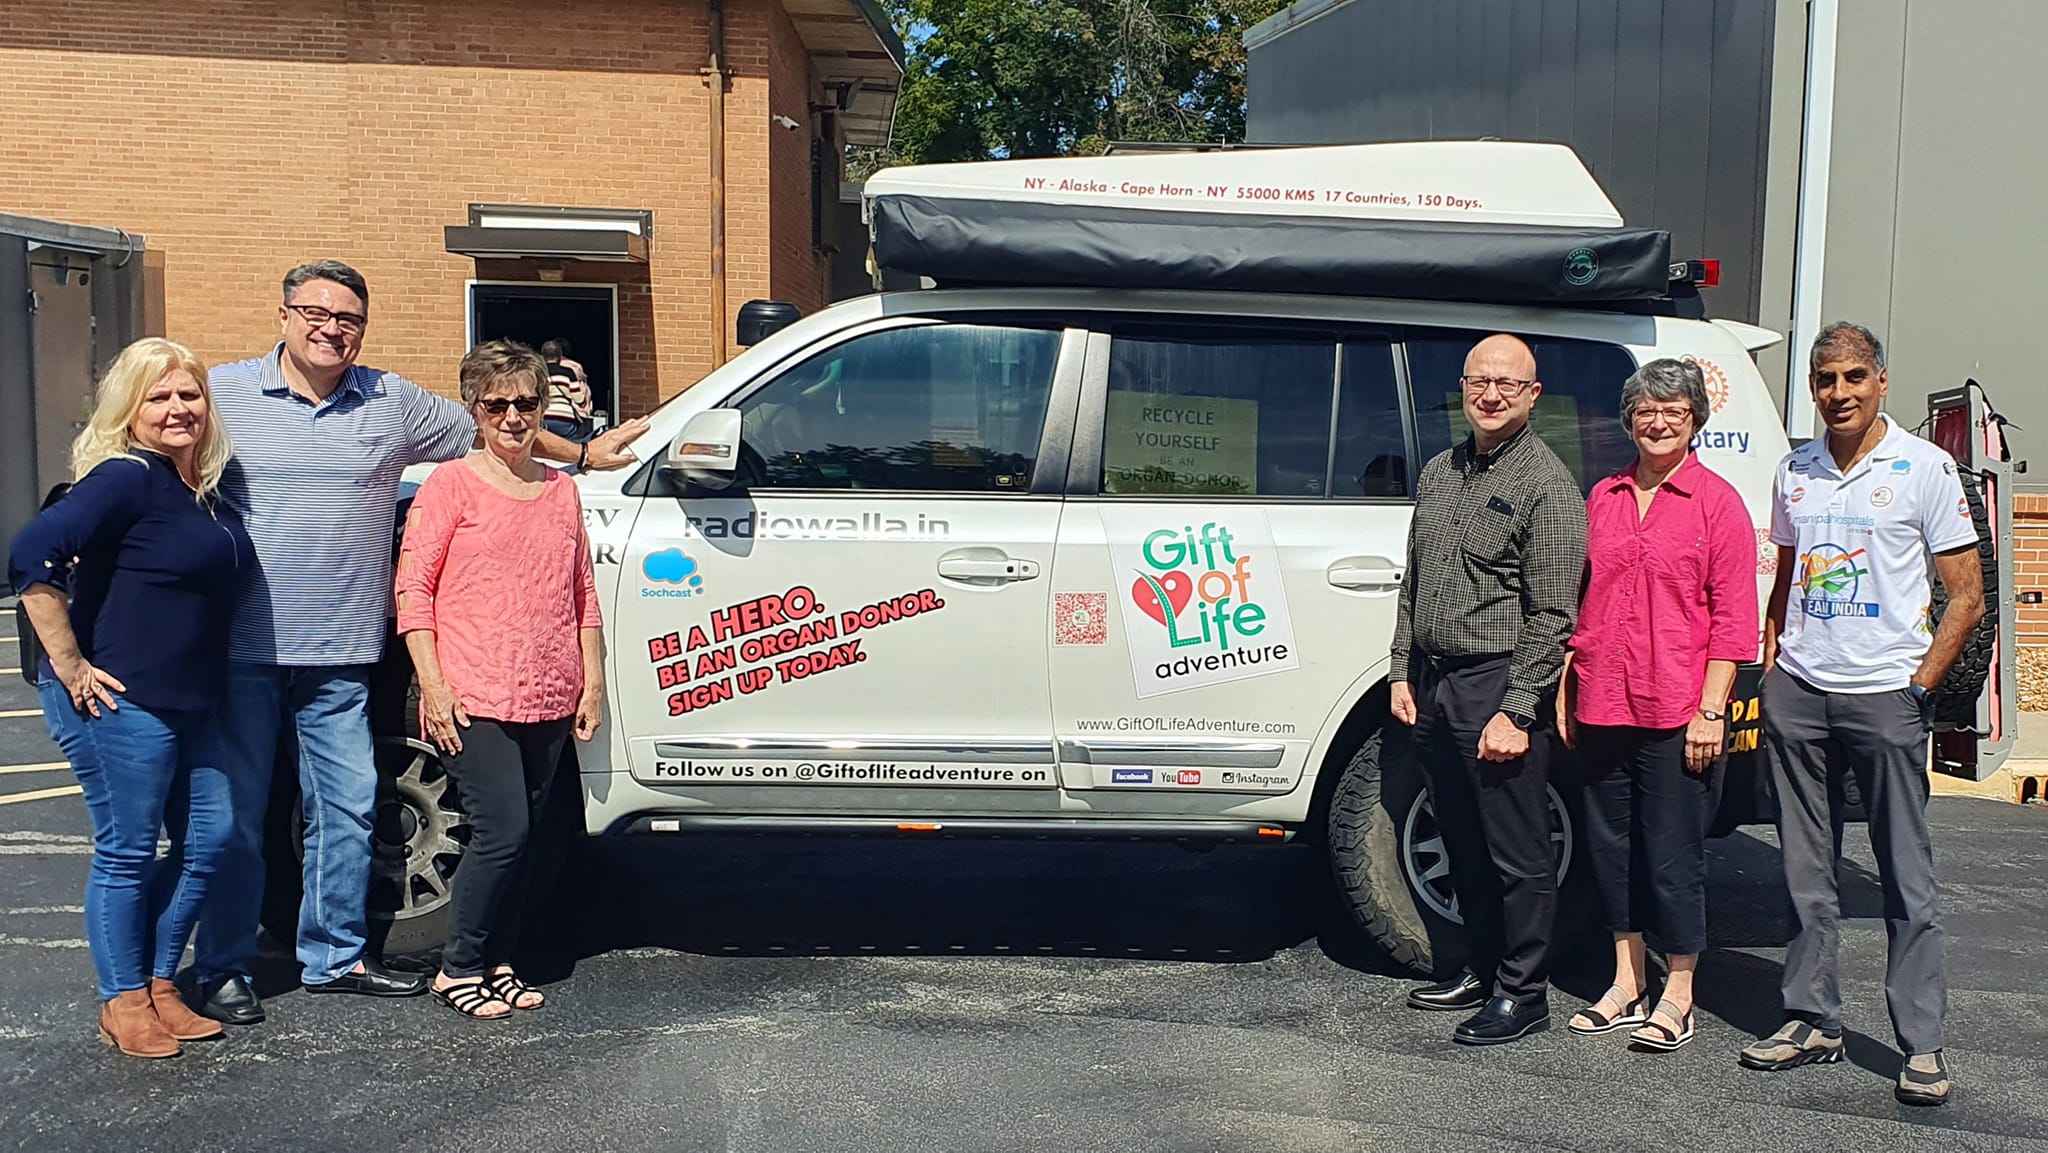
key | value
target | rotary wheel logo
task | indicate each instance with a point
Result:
(1716, 380)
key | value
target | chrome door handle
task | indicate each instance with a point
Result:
(1366, 573)
(986, 566)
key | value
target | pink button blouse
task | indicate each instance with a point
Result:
(506, 586)
(1666, 593)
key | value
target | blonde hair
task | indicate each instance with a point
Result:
(108, 432)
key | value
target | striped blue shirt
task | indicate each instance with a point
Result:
(317, 488)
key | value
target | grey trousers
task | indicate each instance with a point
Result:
(1812, 738)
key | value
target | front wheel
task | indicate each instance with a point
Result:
(1392, 870)
(418, 838)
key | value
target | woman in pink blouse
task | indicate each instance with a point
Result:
(1670, 609)
(496, 602)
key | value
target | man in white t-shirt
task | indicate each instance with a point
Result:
(1863, 517)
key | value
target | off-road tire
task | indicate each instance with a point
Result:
(1955, 701)
(1363, 843)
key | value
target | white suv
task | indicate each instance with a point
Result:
(1066, 562)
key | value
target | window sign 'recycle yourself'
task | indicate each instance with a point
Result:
(1159, 443)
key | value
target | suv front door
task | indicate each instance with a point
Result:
(857, 624)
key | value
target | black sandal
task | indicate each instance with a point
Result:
(470, 998)
(509, 988)
(1654, 1035)
(1632, 1013)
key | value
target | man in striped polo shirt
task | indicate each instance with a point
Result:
(319, 446)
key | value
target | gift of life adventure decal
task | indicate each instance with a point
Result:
(749, 647)
(1201, 604)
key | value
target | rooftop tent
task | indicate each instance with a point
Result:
(1487, 221)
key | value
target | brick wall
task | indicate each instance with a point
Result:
(2030, 562)
(243, 136)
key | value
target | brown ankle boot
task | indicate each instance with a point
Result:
(128, 1022)
(178, 1018)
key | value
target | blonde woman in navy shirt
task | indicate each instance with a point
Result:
(129, 580)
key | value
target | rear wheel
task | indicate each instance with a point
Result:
(1392, 870)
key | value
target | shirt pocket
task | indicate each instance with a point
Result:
(1679, 557)
(1489, 536)
(372, 457)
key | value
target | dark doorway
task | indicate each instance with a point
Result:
(586, 316)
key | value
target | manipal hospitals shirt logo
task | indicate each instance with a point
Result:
(1202, 603)
(1829, 579)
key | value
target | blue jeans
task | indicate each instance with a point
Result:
(328, 708)
(140, 772)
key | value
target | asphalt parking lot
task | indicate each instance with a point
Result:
(786, 995)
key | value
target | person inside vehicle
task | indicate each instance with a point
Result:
(1670, 609)
(1496, 549)
(1861, 516)
(129, 580)
(498, 604)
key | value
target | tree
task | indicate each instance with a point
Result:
(1017, 78)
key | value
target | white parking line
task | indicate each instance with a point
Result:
(21, 712)
(38, 795)
(43, 767)
(35, 942)
(43, 911)
(14, 672)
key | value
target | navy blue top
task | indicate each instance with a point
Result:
(155, 584)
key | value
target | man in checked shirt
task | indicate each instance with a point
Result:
(1496, 554)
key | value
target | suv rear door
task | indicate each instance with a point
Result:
(858, 625)
(1227, 568)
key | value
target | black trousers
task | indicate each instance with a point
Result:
(502, 776)
(1646, 832)
(1495, 820)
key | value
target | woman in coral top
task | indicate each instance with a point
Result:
(1670, 609)
(496, 601)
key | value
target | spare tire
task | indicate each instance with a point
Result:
(1955, 700)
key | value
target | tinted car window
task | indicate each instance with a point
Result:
(1578, 415)
(934, 408)
(1371, 457)
(1227, 415)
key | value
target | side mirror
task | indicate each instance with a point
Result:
(761, 319)
(707, 451)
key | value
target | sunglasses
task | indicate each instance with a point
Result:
(497, 405)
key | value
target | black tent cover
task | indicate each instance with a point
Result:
(961, 242)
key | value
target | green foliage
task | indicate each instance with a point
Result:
(1020, 78)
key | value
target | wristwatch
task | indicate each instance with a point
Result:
(1521, 722)
(1917, 691)
(1712, 715)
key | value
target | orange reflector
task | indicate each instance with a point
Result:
(692, 448)
(1270, 831)
(917, 827)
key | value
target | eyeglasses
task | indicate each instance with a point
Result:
(1668, 415)
(497, 405)
(317, 317)
(1509, 387)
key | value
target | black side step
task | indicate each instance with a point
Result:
(964, 828)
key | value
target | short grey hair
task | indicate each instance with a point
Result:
(1666, 378)
(1846, 338)
(333, 270)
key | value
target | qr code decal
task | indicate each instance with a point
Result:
(1080, 618)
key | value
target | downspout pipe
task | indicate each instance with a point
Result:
(714, 73)
(1809, 262)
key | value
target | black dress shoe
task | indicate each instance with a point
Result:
(374, 980)
(1463, 991)
(1504, 1020)
(232, 1002)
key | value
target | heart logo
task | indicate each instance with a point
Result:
(1179, 589)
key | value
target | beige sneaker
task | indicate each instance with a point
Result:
(1923, 1080)
(1796, 1043)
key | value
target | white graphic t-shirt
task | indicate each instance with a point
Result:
(1863, 569)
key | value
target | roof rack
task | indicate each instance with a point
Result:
(1462, 220)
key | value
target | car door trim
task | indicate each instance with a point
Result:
(994, 751)
(1186, 754)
